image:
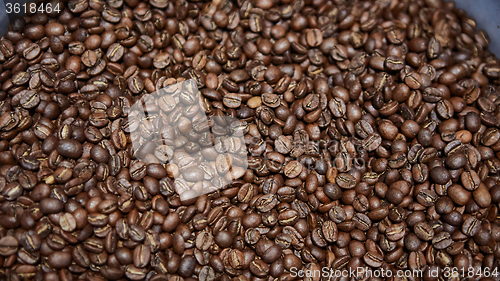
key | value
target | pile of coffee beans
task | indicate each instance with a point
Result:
(372, 132)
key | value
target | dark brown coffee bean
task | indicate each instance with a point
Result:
(427, 197)
(362, 221)
(441, 240)
(424, 231)
(397, 144)
(372, 142)
(141, 256)
(67, 222)
(346, 181)
(394, 63)
(330, 231)
(32, 51)
(337, 214)
(232, 100)
(69, 148)
(134, 273)
(293, 169)
(338, 107)
(224, 239)
(51, 206)
(59, 259)
(272, 254)
(373, 259)
(395, 232)
(470, 180)
(471, 226)
(8, 246)
(289, 217)
(314, 37)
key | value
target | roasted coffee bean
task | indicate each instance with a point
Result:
(8, 246)
(141, 256)
(59, 259)
(293, 169)
(424, 231)
(70, 148)
(30, 240)
(232, 100)
(394, 63)
(67, 222)
(427, 197)
(314, 37)
(51, 206)
(330, 231)
(440, 175)
(373, 259)
(470, 180)
(29, 99)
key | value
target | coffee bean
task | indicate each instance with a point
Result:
(141, 256)
(8, 246)
(32, 51)
(134, 273)
(283, 144)
(470, 180)
(67, 222)
(51, 206)
(424, 231)
(70, 148)
(441, 240)
(314, 37)
(372, 142)
(289, 217)
(440, 175)
(338, 107)
(272, 254)
(427, 197)
(112, 166)
(224, 239)
(330, 231)
(59, 259)
(395, 232)
(394, 63)
(431, 94)
(346, 181)
(471, 226)
(373, 259)
(458, 194)
(232, 100)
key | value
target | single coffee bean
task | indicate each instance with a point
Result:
(141, 256)
(330, 231)
(67, 222)
(59, 259)
(361, 152)
(441, 240)
(470, 180)
(373, 259)
(471, 226)
(293, 169)
(51, 206)
(70, 148)
(440, 175)
(424, 231)
(314, 37)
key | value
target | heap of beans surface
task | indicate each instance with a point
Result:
(372, 131)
